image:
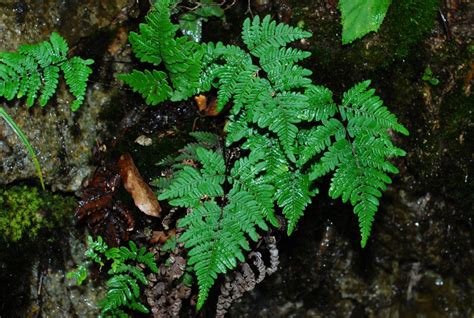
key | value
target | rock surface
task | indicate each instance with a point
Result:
(63, 139)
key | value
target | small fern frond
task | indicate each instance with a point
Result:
(238, 69)
(237, 128)
(277, 163)
(76, 72)
(50, 83)
(338, 152)
(215, 243)
(156, 44)
(153, 86)
(247, 177)
(279, 120)
(364, 111)
(317, 139)
(276, 57)
(122, 290)
(212, 162)
(133, 271)
(359, 157)
(262, 35)
(148, 44)
(191, 185)
(293, 195)
(286, 77)
(321, 104)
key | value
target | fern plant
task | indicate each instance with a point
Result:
(126, 275)
(156, 44)
(303, 133)
(292, 132)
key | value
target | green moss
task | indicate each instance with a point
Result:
(24, 211)
(408, 22)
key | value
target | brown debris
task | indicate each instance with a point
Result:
(164, 294)
(207, 107)
(142, 194)
(103, 214)
(237, 283)
(161, 236)
(274, 258)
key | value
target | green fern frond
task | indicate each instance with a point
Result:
(191, 185)
(248, 181)
(237, 69)
(363, 110)
(76, 72)
(215, 244)
(261, 35)
(276, 57)
(277, 163)
(34, 70)
(148, 44)
(338, 152)
(215, 235)
(286, 77)
(279, 120)
(293, 195)
(317, 139)
(156, 44)
(133, 271)
(359, 157)
(321, 105)
(237, 128)
(153, 86)
(50, 83)
(121, 291)
(123, 286)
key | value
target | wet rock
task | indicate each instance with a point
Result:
(63, 139)
(53, 295)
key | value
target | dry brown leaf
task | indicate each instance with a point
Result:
(161, 236)
(142, 194)
(205, 106)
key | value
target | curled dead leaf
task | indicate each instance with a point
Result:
(142, 194)
(207, 107)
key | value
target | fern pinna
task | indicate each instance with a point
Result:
(35, 69)
(292, 132)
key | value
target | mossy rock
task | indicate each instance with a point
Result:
(25, 211)
(407, 23)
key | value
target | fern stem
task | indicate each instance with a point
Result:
(17, 130)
